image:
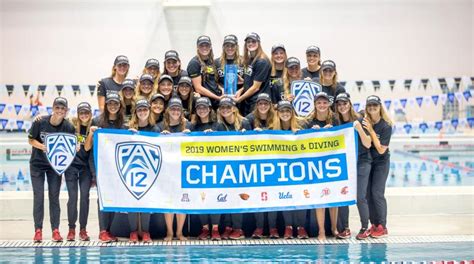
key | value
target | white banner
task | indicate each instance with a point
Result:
(225, 172)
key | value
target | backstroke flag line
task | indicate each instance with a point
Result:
(225, 172)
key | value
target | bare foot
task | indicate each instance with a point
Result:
(322, 237)
(181, 237)
(168, 238)
(335, 233)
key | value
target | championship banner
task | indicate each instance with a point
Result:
(225, 172)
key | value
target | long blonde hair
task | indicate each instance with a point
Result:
(294, 122)
(260, 54)
(383, 115)
(272, 61)
(138, 93)
(77, 124)
(237, 119)
(133, 123)
(237, 57)
(204, 65)
(114, 72)
(270, 117)
(353, 116)
(329, 118)
(166, 120)
(334, 79)
(287, 81)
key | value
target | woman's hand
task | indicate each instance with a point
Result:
(367, 125)
(133, 130)
(316, 127)
(186, 131)
(165, 132)
(92, 129)
(259, 129)
(327, 126)
(208, 130)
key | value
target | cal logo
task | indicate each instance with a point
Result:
(304, 92)
(60, 150)
(138, 164)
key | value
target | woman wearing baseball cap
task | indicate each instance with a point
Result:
(158, 104)
(114, 82)
(286, 119)
(127, 95)
(111, 117)
(186, 94)
(323, 117)
(174, 122)
(173, 66)
(293, 73)
(257, 69)
(262, 118)
(345, 113)
(313, 58)
(152, 67)
(205, 120)
(40, 167)
(78, 176)
(229, 119)
(328, 80)
(230, 55)
(141, 120)
(145, 86)
(165, 87)
(278, 71)
(203, 72)
(378, 124)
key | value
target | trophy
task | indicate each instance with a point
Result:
(230, 79)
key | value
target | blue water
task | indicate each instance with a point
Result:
(288, 253)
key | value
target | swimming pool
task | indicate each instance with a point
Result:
(410, 166)
(271, 253)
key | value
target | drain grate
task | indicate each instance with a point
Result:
(247, 242)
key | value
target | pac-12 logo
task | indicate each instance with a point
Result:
(138, 164)
(304, 92)
(60, 150)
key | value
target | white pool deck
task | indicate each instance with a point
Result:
(416, 215)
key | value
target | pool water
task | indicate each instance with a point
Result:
(271, 253)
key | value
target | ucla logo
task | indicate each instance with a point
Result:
(138, 164)
(60, 150)
(304, 92)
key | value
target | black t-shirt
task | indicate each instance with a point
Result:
(384, 133)
(107, 84)
(208, 74)
(259, 71)
(220, 71)
(38, 131)
(313, 75)
(363, 152)
(224, 126)
(82, 157)
(203, 126)
(148, 128)
(188, 110)
(320, 123)
(276, 87)
(251, 118)
(332, 93)
(128, 113)
(173, 129)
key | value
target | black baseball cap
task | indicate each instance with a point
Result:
(232, 39)
(203, 39)
(292, 61)
(284, 104)
(264, 96)
(171, 55)
(185, 79)
(321, 94)
(156, 97)
(112, 96)
(60, 101)
(328, 64)
(128, 83)
(226, 101)
(253, 36)
(343, 97)
(152, 62)
(146, 77)
(165, 77)
(84, 106)
(175, 101)
(121, 59)
(142, 103)
(373, 99)
(278, 46)
(203, 101)
(314, 49)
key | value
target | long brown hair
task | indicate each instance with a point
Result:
(104, 118)
(257, 122)
(294, 122)
(287, 81)
(383, 115)
(204, 65)
(272, 61)
(329, 118)
(353, 116)
(237, 57)
(334, 79)
(237, 119)
(260, 54)
(166, 120)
